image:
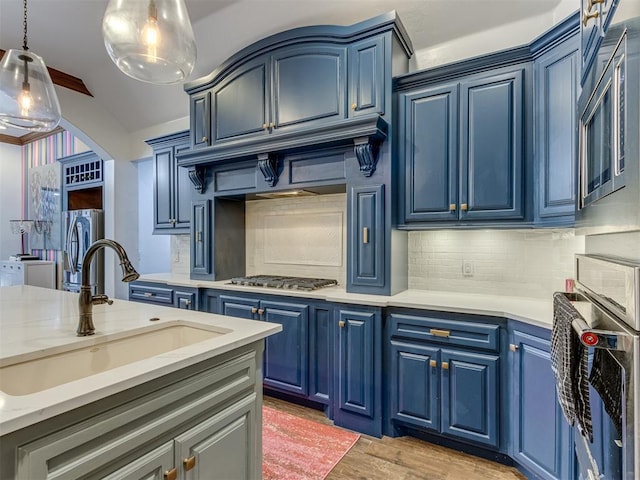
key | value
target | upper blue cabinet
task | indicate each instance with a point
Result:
(595, 18)
(284, 91)
(462, 146)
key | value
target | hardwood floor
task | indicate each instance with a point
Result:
(402, 458)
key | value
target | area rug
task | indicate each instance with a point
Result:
(295, 448)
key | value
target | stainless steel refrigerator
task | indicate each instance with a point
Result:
(81, 229)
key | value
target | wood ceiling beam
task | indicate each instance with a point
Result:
(64, 79)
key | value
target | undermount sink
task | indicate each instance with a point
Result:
(51, 370)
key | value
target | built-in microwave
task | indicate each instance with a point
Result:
(609, 170)
(602, 123)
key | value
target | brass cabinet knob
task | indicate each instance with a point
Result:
(260, 311)
(272, 125)
(189, 463)
(353, 106)
(445, 365)
(187, 302)
(464, 206)
(433, 363)
(452, 207)
(342, 323)
(265, 126)
(591, 3)
(204, 139)
(254, 310)
(588, 16)
(171, 474)
(513, 348)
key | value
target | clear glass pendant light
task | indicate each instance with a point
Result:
(150, 40)
(27, 97)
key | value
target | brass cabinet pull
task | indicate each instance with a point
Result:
(265, 126)
(272, 125)
(365, 234)
(260, 311)
(254, 310)
(353, 106)
(171, 474)
(198, 236)
(189, 463)
(588, 16)
(433, 363)
(445, 365)
(452, 207)
(591, 3)
(342, 323)
(464, 206)
(513, 348)
(148, 294)
(439, 333)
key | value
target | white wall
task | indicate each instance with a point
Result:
(531, 263)
(10, 197)
(153, 254)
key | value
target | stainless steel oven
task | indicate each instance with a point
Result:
(607, 322)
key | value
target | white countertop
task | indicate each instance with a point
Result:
(33, 319)
(533, 311)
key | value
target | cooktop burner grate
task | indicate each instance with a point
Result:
(286, 283)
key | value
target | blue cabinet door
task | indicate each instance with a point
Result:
(163, 191)
(540, 436)
(358, 371)
(201, 237)
(366, 77)
(556, 132)
(470, 396)
(186, 298)
(182, 189)
(308, 85)
(366, 266)
(285, 357)
(241, 103)
(491, 146)
(429, 152)
(595, 18)
(415, 385)
(200, 119)
(321, 354)
(243, 307)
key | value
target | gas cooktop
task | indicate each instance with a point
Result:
(286, 283)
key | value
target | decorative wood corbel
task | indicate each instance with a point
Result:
(366, 151)
(196, 175)
(268, 165)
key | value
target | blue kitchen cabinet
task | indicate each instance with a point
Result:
(358, 371)
(200, 119)
(429, 149)
(164, 294)
(556, 132)
(210, 300)
(492, 146)
(462, 148)
(172, 187)
(321, 364)
(242, 307)
(200, 237)
(439, 381)
(541, 439)
(286, 353)
(366, 227)
(595, 19)
(366, 77)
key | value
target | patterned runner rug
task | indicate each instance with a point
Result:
(295, 448)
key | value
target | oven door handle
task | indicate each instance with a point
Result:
(603, 339)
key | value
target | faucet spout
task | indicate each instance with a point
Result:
(86, 300)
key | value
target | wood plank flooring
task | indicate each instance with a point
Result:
(402, 458)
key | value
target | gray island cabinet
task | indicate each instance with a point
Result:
(188, 413)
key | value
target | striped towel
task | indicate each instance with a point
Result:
(569, 365)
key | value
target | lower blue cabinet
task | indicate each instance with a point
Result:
(358, 372)
(448, 391)
(540, 436)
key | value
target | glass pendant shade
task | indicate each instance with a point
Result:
(150, 40)
(28, 99)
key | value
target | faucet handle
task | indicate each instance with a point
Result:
(100, 299)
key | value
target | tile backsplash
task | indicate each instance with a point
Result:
(180, 251)
(532, 263)
(303, 236)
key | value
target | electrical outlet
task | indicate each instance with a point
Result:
(467, 268)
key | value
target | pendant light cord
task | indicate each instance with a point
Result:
(24, 25)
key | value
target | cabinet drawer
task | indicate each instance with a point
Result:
(145, 293)
(446, 332)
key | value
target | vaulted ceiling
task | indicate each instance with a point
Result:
(67, 34)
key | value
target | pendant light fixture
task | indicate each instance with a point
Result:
(150, 40)
(27, 97)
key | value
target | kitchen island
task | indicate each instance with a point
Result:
(155, 392)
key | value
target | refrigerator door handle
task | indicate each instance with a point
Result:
(71, 253)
